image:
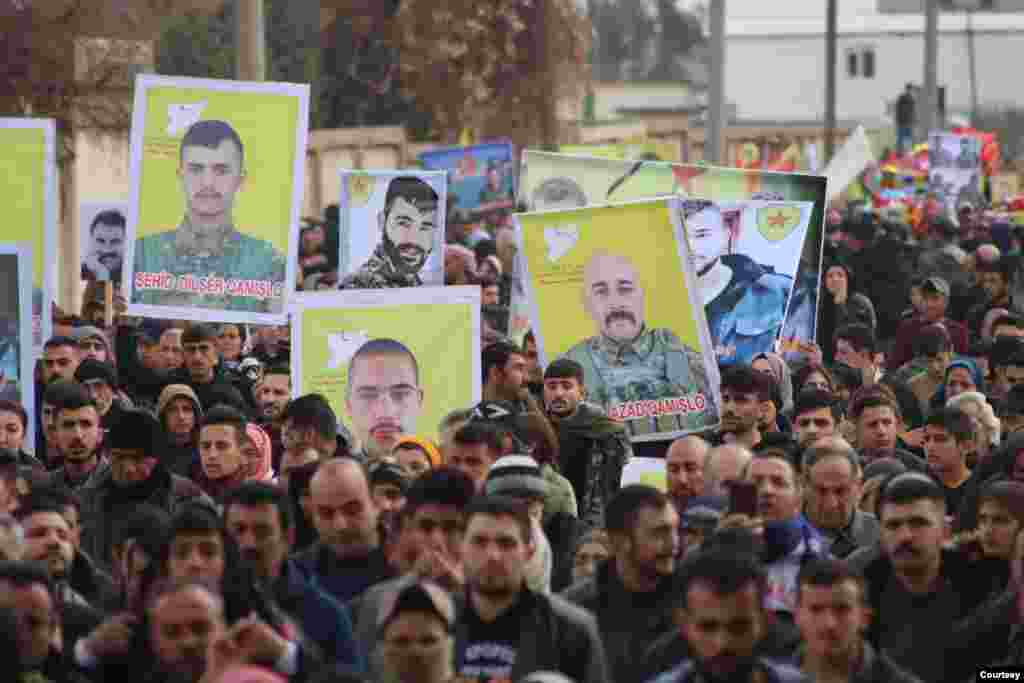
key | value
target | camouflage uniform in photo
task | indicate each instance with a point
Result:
(381, 272)
(231, 255)
(654, 366)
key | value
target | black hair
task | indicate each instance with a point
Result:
(210, 134)
(745, 379)
(146, 524)
(110, 217)
(502, 506)
(312, 410)
(37, 504)
(483, 249)
(860, 336)
(278, 369)
(955, 421)
(815, 454)
(62, 496)
(414, 190)
(779, 447)
(932, 340)
(815, 399)
(909, 487)
(219, 395)
(725, 572)
(23, 574)
(226, 415)
(565, 368)
(56, 392)
(476, 432)
(1010, 319)
(252, 493)
(76, 398)
(445, 486)
(199, 332)
(826, 572)
(57, 342)
(382, 347)
(496, 356)
(621, 512)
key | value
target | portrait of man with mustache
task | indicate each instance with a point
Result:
(627, 360)
(408, 225)
(105, 256)
(207, 243)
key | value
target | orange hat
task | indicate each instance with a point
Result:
(426, 445)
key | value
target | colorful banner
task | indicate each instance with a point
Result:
(217, 171)
(28, 187)
(428, 337)
(746, 255)
(102, 227)
(17, 358)
(392, 226)
(555, 181)
(482, 182)
(954, 169)
(623, 302)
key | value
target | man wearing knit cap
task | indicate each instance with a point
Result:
(179, 413)
(135, 476)
(935, 293)
(100, 380)
(519, 477)
(92, 343)
(416, 455)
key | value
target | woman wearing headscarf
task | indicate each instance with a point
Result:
(774, 365)
(962, 375)
(976, 405)
(257, 454)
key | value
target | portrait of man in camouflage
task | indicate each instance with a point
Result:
(207, 244)
(627, 361)
(408, 224)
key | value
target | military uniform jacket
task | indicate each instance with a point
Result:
(380, 273)
(244, 263)
(654, 384)
(746, 317)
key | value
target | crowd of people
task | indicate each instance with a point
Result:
(858, 515)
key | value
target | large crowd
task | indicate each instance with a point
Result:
(857, 516)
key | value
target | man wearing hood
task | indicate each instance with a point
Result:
(408, 226)
(92, 343)
(594, 449)
(745, 301)
(135, 476)
(179, 413)
(100, 381)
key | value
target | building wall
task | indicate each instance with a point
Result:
(782, 78)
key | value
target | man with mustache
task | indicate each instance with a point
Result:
(206, 243)
(79, 440)
(383, 395)
(408, 225)
(627, 363)
(916, 587)
(272, 393)
(106, 247)
(743, 391)
(745, 301)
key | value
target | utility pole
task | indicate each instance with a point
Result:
(930, 98)
(830, 80)
(972, 65)
(715, 124)
(250, 41)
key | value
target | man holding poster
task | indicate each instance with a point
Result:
(627, 362)
(206, 255)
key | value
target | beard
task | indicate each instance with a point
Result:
(394, 254)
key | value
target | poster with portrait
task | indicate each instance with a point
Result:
(17, 357)
(217, 173)
(28, 189)
(102, 227)
(389, 361)
(954, 168)
(553, 181)
(482, 183)
(647, 150)
(624, 304)
(392, 227)
(745, 254)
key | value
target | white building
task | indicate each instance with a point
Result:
(775, 60)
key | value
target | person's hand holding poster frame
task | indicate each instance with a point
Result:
(389, 361)
(28, 186)
(392, 228)
(613, 288)
(217, 172)
(17, 355)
